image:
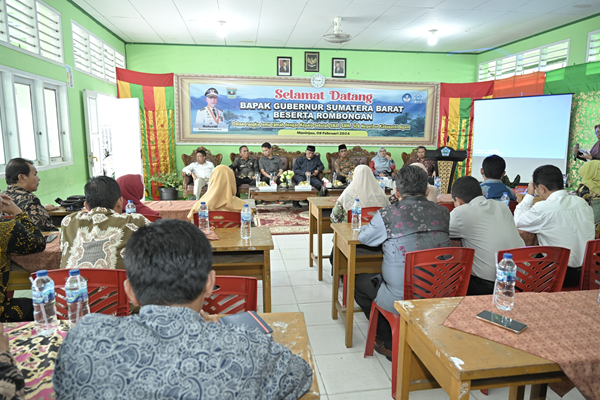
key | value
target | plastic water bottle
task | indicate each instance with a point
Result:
(437, 182)
(334, 177)
(76, 291)
(44, 306)
(505, 199)
(203, 223)
(382, 183)
(356, 215)
(349, 180)
(245, 227)
(130, 207)
(257, 179)
(504, 289)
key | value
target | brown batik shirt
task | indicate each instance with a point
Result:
(31, 204)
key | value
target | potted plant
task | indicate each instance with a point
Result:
(170, 183)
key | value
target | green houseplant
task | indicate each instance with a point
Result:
(170, 183)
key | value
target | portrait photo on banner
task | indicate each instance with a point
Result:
(252, 110)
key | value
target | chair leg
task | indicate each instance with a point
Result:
(372, 331)
(395, 343)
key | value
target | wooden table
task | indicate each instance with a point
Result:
(319, 223)
(58, 215)
(233, 255)
(289, 329)
(48, 259)
(282, 194)
(431, 356)
(347, 262)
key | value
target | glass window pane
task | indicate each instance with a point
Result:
(2, 159)
(25, 121)
(52, 122)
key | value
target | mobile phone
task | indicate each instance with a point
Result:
(50, 238)
(502, 321)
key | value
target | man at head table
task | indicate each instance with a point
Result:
(245, 168)
(173, 349)
(96, 237)
(22, 180)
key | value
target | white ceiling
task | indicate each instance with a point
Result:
(403, 25)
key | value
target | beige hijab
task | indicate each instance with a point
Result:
(364, 187)
(220, 195)
(432, 196)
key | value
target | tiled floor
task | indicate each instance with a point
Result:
(344, 374)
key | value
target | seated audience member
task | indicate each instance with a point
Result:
(132, 188)
(492, 170)
(591, 154)
(270, 165)
(432, 194)
(411, 224)
(307, 168)
(172, 349)
(244, 168)
(13, 383)
(18, 235)
(22, 180)
(200, 171)
(343, 166)
(484, 225)
(220, 195)
(382, 164)
(589, 189)
(420, 159)
(560, 220)
(96, 237)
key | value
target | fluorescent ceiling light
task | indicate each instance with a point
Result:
(221, 29)
(432, 41)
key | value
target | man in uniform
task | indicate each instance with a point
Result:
(244, 168)
(343, 166)
(307, 167)
(210, 117)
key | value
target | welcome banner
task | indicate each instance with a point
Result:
(254, 110)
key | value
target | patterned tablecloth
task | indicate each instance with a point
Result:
(47, 259)
(563, 327)
(171, 209)
(35, 356)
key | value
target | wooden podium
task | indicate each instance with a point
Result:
(446, 159)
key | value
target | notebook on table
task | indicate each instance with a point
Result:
(250, 318)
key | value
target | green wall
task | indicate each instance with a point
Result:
(576, 32)
(65, 181)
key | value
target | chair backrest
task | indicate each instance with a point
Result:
(213, 158)
(591, 266)
(408, 156)
(449, 206)
(442, 272)
(221, 219)
(105, 291)
(232, 295)
(366, 214)
(539, 268)
(357, 155)
(152, 218)
(512, 205)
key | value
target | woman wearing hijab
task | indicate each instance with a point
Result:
(132, 188)
(594, 152)
(589, 189)
(220, 195)
(382, 165)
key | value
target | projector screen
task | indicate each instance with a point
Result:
(526, 131)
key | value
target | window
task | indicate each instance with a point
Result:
(545, 59)
(33, 27)
(34, 119)
(593, 53)
(93, 56)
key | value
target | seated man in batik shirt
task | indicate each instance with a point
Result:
(173, 349)
(22, 180)
(343, 166)
(96, 237)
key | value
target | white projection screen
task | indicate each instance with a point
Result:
(526, 131)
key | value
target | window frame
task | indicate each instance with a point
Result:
(589, 43)
(20, 80)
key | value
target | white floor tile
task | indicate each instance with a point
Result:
(309, 276)
(282, 295)
(284, 308)
(292, 238)
(275, 255)
(330, 339)
(279, 278)
(433, 394)
(22, 293)
(298, 244)
(312, 294)
(295, 254)
(382, 394)
(318, 314)
(349, 373)
(278, 266)
(297, 265)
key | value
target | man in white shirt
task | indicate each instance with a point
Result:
(200, 171)
(561, 220)
(484, 225)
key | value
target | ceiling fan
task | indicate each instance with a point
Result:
(337, 36)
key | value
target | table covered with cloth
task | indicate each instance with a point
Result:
(47, 259)
(562, 327)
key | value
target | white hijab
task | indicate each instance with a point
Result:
(364, 187)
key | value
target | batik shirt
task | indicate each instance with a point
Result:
(31, 204)
(494, 189)
(428, 164)
(172, 353)
(97, 239)
(12, 383)
(343, 167)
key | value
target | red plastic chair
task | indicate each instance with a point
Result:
(105, 291)
(539, 274)
(152, 218)
(433, 273)
(232, 295)
(590, 273)
(222, 219)
(449, 206)
(512, 205)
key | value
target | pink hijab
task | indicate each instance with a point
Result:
(132, 188)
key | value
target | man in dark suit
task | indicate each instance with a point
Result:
(284, 68)
(339, 69)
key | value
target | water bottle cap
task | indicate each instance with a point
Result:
(506, 193)
(74, 272)
(129, 201)
(355, 199)
(202, 203)
(245, 205)
(508, 255)
(42, 272)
